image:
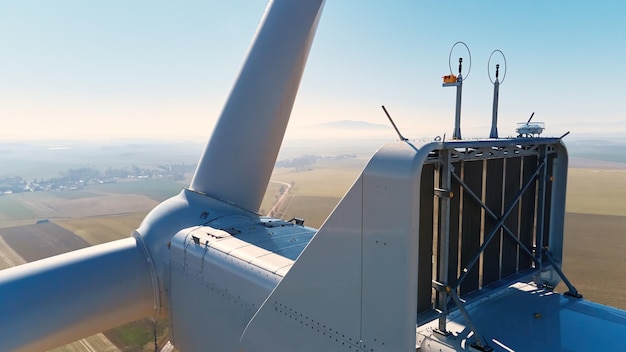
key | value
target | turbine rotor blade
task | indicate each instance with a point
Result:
(57, 300)
(241, 153)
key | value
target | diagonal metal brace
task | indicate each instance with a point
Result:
(498, 225)
(489, 212)
(573, 292)
(480, 343)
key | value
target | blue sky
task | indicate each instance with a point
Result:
(162, 69)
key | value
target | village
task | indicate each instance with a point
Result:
(79, 178)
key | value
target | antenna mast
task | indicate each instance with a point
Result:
(494, 113)
(457, 81)
(496, 93)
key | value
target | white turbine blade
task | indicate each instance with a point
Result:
(239, 158)
(57, 300)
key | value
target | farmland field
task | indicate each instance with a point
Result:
(38, 241)
(97, 230)
(271, 196)
(74, 194)
(594, 256)
(145, 194)
(329, 180)
(110, 204)
(316, 191)
(13, 209)
(158, 190)
(314, 210)
(597, 191)
(8, 257)
(36, 202)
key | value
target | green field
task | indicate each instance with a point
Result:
(36, 202)
(158, 190)
(138, 336)
(12, 209)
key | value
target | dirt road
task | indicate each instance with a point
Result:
(281, 200)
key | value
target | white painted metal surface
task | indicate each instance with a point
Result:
(213, 294)
(354, 286)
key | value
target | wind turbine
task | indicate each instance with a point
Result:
(229, 279)
(63, 298)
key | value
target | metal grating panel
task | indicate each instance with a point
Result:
(527, 210)
(510, 251)
(471, 224)
(483, 218)
(455, 227)
(493, 201)
(427, 186)
(548, 202)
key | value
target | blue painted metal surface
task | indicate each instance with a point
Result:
(523, 317)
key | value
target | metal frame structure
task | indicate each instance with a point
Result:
(507, 220)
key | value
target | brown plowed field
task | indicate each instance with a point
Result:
(38, 241)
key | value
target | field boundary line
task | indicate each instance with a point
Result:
(6, 259)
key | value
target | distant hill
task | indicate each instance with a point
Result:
(606, 149)
(351, 125)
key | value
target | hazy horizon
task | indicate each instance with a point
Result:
(354, 130)
(46, 158)
(100, 71)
